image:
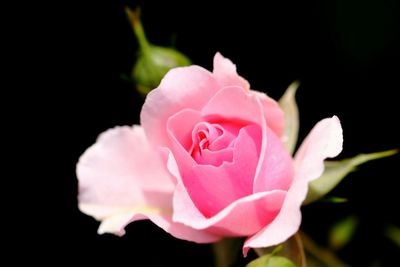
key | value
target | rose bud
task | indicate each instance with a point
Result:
(153, 61)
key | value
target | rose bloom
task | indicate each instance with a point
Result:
(207, 162)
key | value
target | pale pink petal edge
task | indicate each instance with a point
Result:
(116, 222)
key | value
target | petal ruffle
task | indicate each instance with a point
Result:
(324, 141)
(225, 73)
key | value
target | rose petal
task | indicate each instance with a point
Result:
(213, 188)
(277, 169)
(121, 217)
(225, 73)
(247, 215)
(229, 133)
(214, 158)
(224, 105)
(181, 130)
(324, 141)
(121, 179)
(181, 124)
(185, 87)
(112, 170)
(273, 113)
(242, 217)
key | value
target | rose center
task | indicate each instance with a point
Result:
(211, 144)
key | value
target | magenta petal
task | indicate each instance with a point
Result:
(225, 73)
(285, 224)
(225, 139)
(214, 158)
(213, 188)
(324, 141)
(247, 215)
(277, 169)
(242, 217)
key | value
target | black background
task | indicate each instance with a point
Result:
(345, 54)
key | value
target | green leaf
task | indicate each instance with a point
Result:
(335, 171)
(271, 261)
(289, 107)
(342, 232)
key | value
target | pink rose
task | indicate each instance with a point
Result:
(207, 162)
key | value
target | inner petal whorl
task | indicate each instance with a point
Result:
(211, 144)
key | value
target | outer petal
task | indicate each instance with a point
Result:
(186, 87)
(225, 73)
(119, 166)
(324, 141)
(121, 179)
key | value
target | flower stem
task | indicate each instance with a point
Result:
(226, 251)
(321, 254)
(134, 18)
(300, 245)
